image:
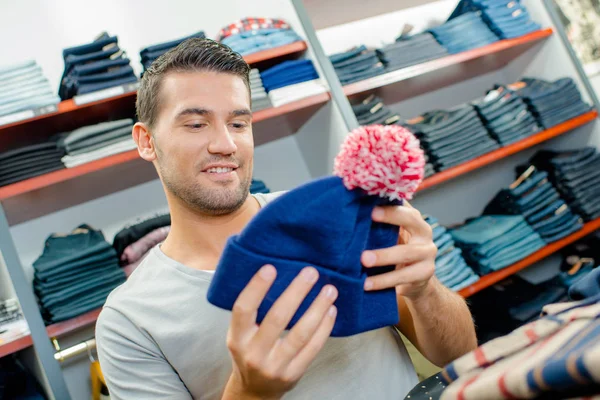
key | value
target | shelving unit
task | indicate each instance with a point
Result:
(295, 142)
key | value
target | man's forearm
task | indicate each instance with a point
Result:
(441, 322)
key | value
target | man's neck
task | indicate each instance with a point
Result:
(197, 240)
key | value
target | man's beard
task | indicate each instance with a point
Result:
(211, 201)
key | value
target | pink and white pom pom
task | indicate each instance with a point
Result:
(382, 160)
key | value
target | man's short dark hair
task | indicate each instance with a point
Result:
(194, 54)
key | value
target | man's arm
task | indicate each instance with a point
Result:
(437, 321)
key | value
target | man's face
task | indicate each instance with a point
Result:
(203, 139)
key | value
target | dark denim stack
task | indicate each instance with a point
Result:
(23, 86)
(493, 242)
(258, 186)
(507, 18)
(465, 32)
(534, 197)
(576, 175)
(356, 64)
(75, 274)
(452, 137)
(260, 98)
(94, 66)
(410, 50)
(506, 116)
(30, 161)
(552, 103)
(151, 53)
(372, 111)
(136, 230)
(288, 73)
(450, 266)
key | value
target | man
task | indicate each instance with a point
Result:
(158, 337)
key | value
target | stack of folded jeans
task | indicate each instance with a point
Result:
(137, 230)
(251, 35)
(260, 98)
(291, 81)
(356, 64)
(93, 142)
(138, 249)
(151, 53)
(75, 273)
(465, 32)
(372, 111)
(506, 116)
(552, 103)
(450, 266)
(452, 137)
(94, 66)
(411, 50)
(507, 18)
(533, 196)
(493, 242)
(258, 186)
(576, 175)
(30, 161)
(23, 87)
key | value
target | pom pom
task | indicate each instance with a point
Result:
(382, 160)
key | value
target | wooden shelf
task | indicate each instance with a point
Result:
(495, 277)
(74, 324)
(276, 53)
(508, 150)
(16, 345)
(455, 59)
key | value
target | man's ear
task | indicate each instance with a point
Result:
(145, 142)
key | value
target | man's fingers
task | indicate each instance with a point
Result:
(400, 254)
(415, 273)
(302, 332)
(301, 362)
(407, 217)
(246, 305)
(284, 308)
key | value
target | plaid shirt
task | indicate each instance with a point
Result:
(251, 24)
(557, 355)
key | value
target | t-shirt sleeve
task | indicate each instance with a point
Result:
(131, 362)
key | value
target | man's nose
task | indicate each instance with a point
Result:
(222, 142)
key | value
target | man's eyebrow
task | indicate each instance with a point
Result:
(194, 111)
(241, 113)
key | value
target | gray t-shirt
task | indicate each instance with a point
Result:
(159, 338)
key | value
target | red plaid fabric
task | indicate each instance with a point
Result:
(251, 24)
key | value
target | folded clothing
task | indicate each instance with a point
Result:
(450, 267)
(507, 18)
(410, 50)
(251, 35)
(75, 273)
(151, 53)
(23, 86)
(258, 93)
(296, 92)
(95, 66)
(137, 230)
(493, 242)
(552, 103)
(464, 32)
(535, 198)
(258, 186)
(288, 73)
(356, 64)
(135, 251)
(576, 175)
(30, 161)
(372, 110)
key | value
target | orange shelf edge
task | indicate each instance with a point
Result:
(495, 277)
(19, 344)
(420, 69)
(82, 321)
(504, 152)
(264, 55)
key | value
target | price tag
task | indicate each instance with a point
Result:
(105, 93)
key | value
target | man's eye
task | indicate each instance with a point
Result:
(238, 125)
(196, 126)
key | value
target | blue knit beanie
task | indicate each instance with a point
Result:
(327, 224)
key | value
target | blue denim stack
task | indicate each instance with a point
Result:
(533, 196)
(75, 274)
(552, 103)
(23, 87)
(465, 32)
(258, 186)
(30, 161)
(493, 242)
(507, 18)
(576, 175)
(452, 137)
(95, 66)
(288, 73)
(506, 116)
(356, 64)
(450, 266)
(372, 111)
(410, 50)
(252, 41)
(258, 93)
(151, 53)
